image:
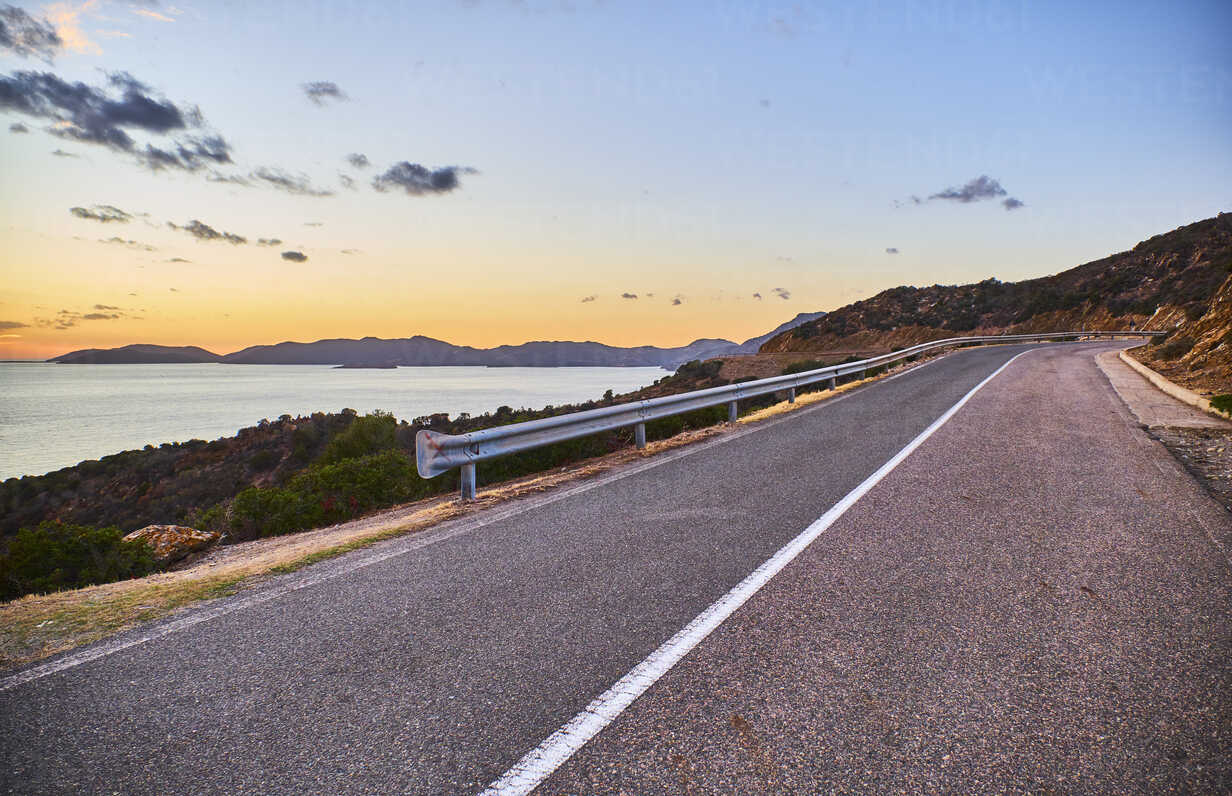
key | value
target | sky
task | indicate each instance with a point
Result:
(226, 174)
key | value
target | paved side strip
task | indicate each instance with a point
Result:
(540, 762)
(1152, 406)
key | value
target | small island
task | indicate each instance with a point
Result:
(367, 365)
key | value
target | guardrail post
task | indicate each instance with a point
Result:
(468, 481)
(639, 435)
(791, 395)
(731, 411)
(832, 383)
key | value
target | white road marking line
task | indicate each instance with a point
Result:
(539, 763)
(440, 534)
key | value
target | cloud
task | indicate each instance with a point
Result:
(13, 325)
(202, 231)
(891, 250)
(295, 257)
(358, 161)
(18, 127)
(60, 153)
(757, 296)
(588, 299)
(314, 223)
(347, 181)
(109, 116)
(132, 244)
(628, 295)
(322, 91)
(173, 260)
(351, 251)
(65, 18)
(151, 14)
(782, 293)
(102, 213)
(26, 36)
(982, 187)
(66, 319)
(677, 300)
(190, 154)
(269, 241)
(234, 179)
(1012, 204)
(417, 180)
(297, 184)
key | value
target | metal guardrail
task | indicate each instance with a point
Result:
(437, 453)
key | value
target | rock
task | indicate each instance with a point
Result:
(171, 543)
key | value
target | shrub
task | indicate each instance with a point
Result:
(801, 367)
(366, 435)
(263, 460)
(1176, 348)
(1223, 403)
(53, 557)
(696, 369)
(325, 494)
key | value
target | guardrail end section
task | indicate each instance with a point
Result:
(430, 458)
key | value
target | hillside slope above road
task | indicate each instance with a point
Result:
(1036, 600)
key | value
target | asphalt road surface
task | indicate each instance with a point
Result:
(1036, 599)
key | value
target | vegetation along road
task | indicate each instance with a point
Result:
(1029, 596)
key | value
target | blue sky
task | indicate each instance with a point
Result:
(701, 153)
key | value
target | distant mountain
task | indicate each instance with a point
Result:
(425, 351)
(138, 354)
(753, 344)
(1163, 283)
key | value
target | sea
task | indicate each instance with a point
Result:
(54, 416)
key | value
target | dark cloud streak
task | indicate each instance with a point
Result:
(322, 91)
(26, 36)
(107, 116)
(982, 187)
(102, 213)
(418, 180)
(205, 232)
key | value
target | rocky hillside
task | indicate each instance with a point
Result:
(1171, 281)
(1198, 352)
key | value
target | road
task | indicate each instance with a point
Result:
(1037, 598)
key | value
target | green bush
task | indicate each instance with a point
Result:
(52, 557)
(1223, 403)
(366, 435)
(326, 493)
(696, 369)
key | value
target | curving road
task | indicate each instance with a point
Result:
(1036, 598)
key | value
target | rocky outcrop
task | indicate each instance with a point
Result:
(172, 543)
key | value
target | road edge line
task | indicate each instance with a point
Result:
(539, 763)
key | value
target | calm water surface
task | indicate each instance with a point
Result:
(54, 416)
